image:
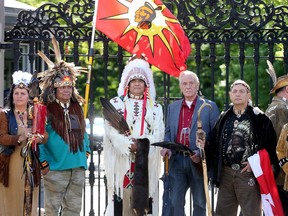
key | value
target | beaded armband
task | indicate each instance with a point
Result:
(44, 164)
(283, 161)
(87, 154)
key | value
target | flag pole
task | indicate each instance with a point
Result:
(90, 59)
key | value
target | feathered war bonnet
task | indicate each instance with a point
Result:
(277, 82)
(137, 68)
(58, 74)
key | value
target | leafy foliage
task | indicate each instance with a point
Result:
(37, 3)
(260, 93)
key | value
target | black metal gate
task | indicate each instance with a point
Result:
(230, 39)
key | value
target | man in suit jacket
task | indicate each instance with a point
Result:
(181, 127)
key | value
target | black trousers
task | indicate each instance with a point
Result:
(118, 206)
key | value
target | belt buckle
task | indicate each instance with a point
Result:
(186, 153)
(235, 166)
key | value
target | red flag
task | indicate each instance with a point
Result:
(145, 27)
(262, 170)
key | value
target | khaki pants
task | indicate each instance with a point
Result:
(64, 189)
(238, 189)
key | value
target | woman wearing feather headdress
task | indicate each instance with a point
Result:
(18, 188)
(64, 156)
(128, 157)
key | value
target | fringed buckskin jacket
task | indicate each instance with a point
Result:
(8, 141)
(116, 147)
(282, 154)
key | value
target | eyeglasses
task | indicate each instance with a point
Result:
(241, 91)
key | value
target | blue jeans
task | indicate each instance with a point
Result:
(184, 174)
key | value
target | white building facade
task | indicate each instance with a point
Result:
(9, 10)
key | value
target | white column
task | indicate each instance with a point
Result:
(2, 27)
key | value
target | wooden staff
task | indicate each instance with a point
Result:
(201, 134)
(166, 164)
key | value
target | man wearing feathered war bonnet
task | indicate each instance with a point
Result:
(277, 111)
(128, 157)
(64, 156)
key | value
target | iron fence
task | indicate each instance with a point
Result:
(230, 39)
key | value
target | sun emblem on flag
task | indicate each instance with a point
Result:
(147, 20)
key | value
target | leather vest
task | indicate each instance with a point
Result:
(12, 129)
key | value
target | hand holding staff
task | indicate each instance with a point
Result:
(200, 141)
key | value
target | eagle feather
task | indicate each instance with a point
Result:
(271, 72)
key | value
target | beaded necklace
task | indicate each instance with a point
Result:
(21, 116)
(137, 97)
(238, 112)
(66, 114)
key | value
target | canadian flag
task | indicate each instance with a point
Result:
(262, 169)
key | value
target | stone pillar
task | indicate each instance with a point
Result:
(2, 27)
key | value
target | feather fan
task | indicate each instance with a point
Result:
(271, 72)
(140, 192)
(116, 120)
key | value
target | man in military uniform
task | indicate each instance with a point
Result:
(277, 111)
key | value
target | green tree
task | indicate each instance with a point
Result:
(37, 3)
(205, 76)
